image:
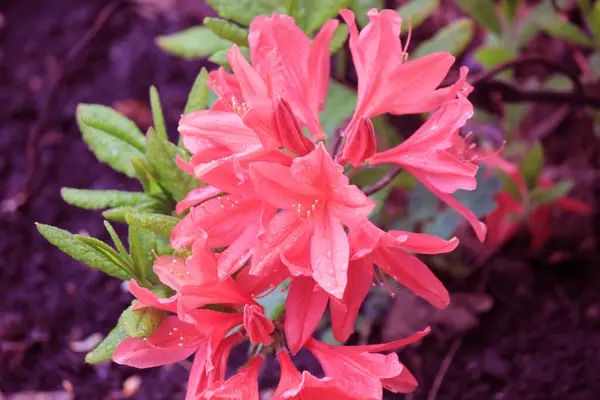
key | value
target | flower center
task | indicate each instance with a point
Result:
(309, 209)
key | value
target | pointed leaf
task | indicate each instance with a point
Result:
(541, 196)
(453, 38)
(113, 138)
(244, 11)
(198, 97)
(196, 42)
(81, 251)
(116, 240)
(227, 30)
(98, 199)
(141, 244)
(141, 323)
(544, 18)
(157, 113)
(161, 155)
(531, 168)
(220, 56)
(417, 11)
(104, 351)
(158, 223)
(483, 12)
(146, 175)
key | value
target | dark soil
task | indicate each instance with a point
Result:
(541, 339)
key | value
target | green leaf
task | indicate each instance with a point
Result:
(219, 57)
(195, 42)
(541, 196)
(593, 20)
(360, 8)
(141, 244)
(227, 30)
(159, 223)
(509, 8)
(116, 240)
(162, 154)
(146, 175)
(244, 11)
(141, 323)
(98, 199)
(531, 168)
(453, 38)
(544, 18)
(339, 105)
(491, 56)
(104, 351)
(339, 38)
(157, 113)
(82, 251)
(117, 214)
(310, 15)
(113, 138)
(418, 11)
(483, 12)
(198, 97)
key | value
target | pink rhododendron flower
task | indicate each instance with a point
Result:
(307, 235)
(243, 385)
(296, 385)
(388, 83)
(362, 372)
(434, 155)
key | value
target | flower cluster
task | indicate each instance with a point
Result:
(277, 207)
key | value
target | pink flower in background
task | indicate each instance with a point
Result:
(243, 385)
(363, 373)
(296, 385)
(387, 82)
(434, 155)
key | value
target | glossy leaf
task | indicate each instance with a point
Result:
(417, 11)
(227, 30)
(98, 199)
(198, 97)
(77, 248)
(104, 351)
(453, 38)
(244, 11)
(483, 12)
(158, 223)
(531, 168)
(141, 323)
(196, 42)
(113, 138)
